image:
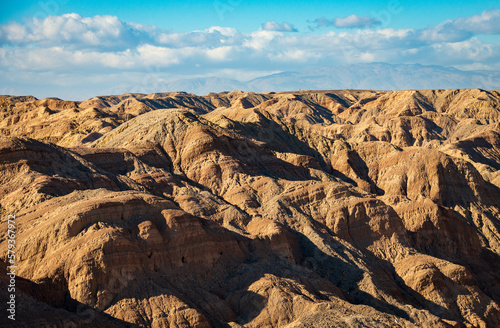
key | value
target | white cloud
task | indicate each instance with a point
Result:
(463, 28)
(77, 31)
(295, 55)
(226, 31)
(456, 30)
(444, 32)
(171, 38)
(486, 23)
(473, 49)
(260, 40)
(214, 36)
(367, 57)
(221, 53)
(58, 58)
(13, 32)
(162, 56)
(274, 26)
(352, 21)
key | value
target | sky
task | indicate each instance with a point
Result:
(79, 49)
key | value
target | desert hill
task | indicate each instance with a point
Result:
(340, 208)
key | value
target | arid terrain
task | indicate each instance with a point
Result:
(293, 209)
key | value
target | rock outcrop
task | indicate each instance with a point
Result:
(293, 209)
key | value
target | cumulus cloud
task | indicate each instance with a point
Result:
(221, 54)
(486, 23)
(260, 40)
(77, 31)
(13, 32)
(463, 28)
(473, 49)
(444, 32)
(356, 21)
(351, 21)
(274, 26)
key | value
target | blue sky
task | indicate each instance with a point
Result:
(81, 48)
(247, 16)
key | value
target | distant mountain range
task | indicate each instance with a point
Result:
(202, 86)
(376, 76)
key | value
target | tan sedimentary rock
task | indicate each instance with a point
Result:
(292, 209)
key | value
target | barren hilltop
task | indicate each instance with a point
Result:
(342, 208)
